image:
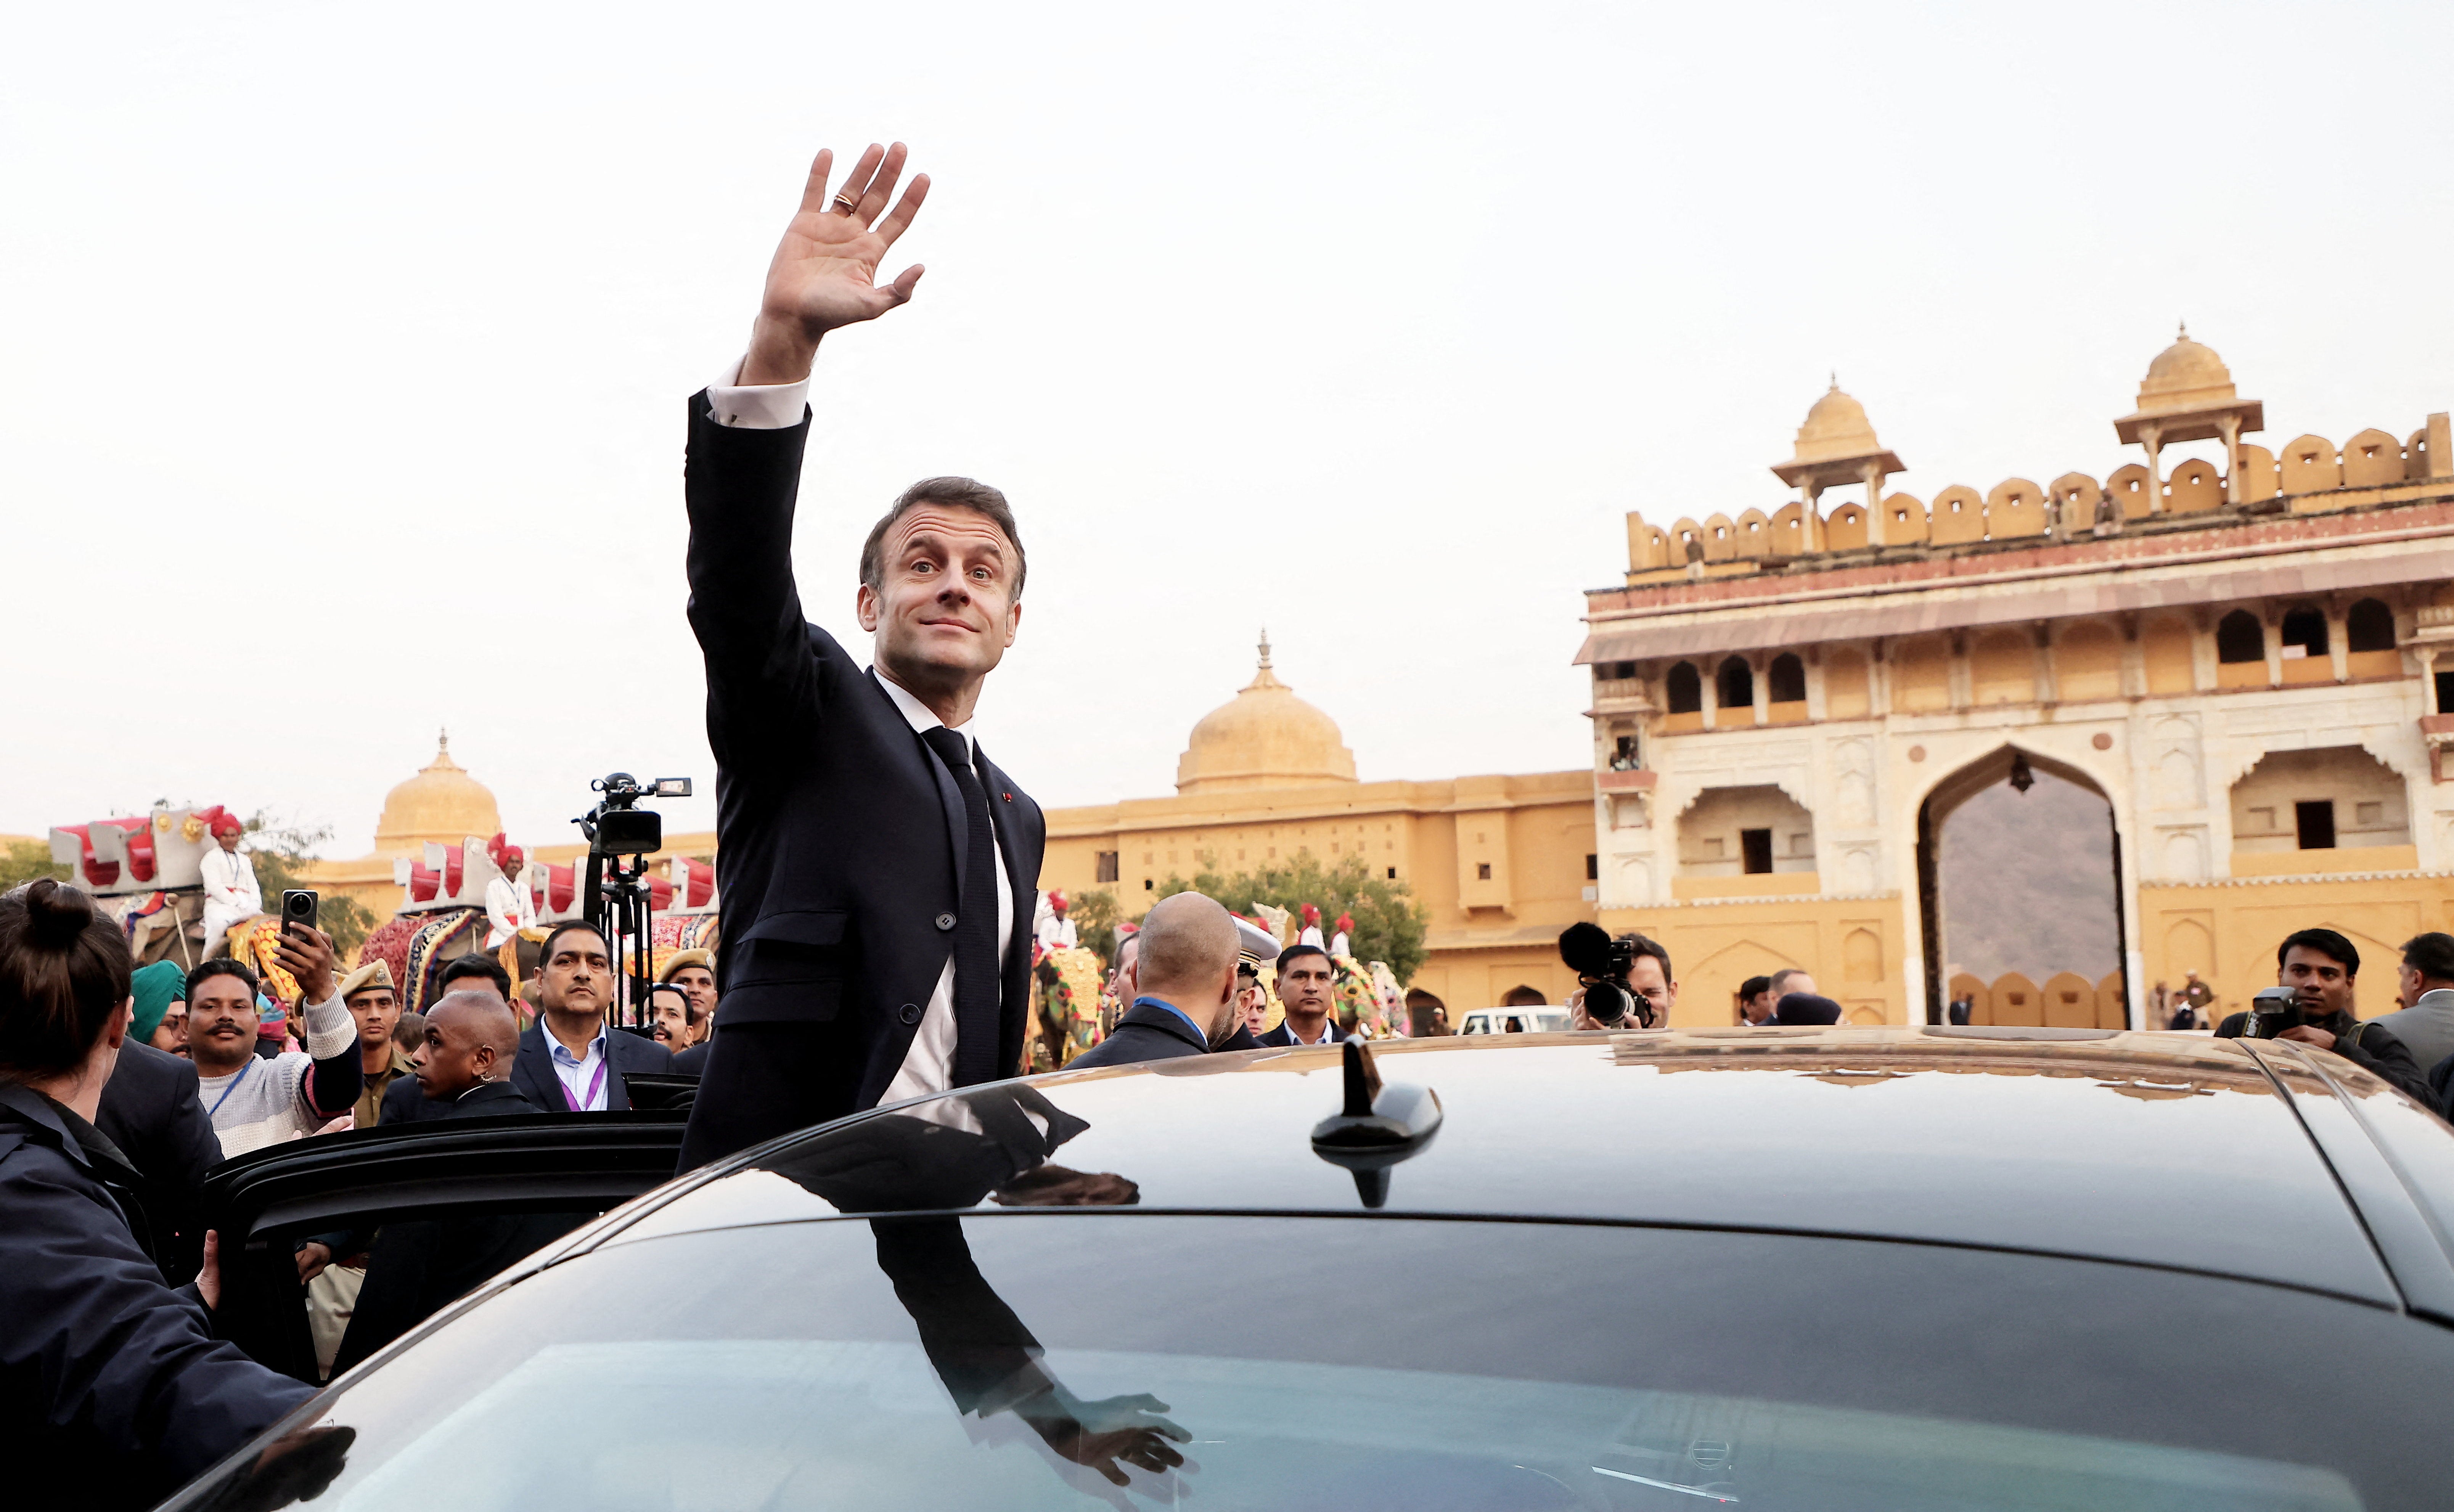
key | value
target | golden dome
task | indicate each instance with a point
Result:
(1837, 427)
(1264, 737)
(442, 802)
(2185, 375)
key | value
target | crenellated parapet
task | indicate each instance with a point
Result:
(2187, 396)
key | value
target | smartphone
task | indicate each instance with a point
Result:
(298, 906)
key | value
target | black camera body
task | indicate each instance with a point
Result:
(1603, 963)
(2272, 1012)
(617, 826)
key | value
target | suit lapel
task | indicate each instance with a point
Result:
(958, 824)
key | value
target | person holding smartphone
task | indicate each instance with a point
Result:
(255, 1103)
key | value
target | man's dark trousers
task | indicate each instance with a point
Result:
(841, 837)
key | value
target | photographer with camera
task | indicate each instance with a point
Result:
(1625, 982)
(2318, 967)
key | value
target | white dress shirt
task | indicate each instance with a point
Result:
(929, 1065)
(578, 1071)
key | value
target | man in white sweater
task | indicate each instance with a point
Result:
(253, 1101)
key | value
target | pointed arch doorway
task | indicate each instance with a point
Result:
(2020, 884)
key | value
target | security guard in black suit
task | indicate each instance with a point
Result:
(876, 868)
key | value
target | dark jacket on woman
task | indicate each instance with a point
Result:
(112, 1389)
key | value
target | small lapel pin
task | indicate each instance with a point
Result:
(1009, 797)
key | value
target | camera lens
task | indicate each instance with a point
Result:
(1608, 1003)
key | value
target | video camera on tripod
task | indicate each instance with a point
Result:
(615, 893)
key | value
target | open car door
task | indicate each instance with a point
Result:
(533, 1178)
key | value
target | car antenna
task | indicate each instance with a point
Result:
(1377, 1125)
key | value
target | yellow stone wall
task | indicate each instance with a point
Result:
(1487, 934)
(2228, 931)
(1851, 946)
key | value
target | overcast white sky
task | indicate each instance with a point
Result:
(344, 350)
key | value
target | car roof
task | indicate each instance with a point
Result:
(2215, 1155)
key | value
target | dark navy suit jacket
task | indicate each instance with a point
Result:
(151, 1111)
(533, 1070)
(841, 837)
(1284, 1036)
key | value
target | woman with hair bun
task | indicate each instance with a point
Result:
(112, 1384)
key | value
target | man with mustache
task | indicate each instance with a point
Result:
(569, 1060)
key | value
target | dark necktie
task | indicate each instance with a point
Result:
(976, 921)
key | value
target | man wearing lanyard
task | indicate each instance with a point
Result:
(1185, 971)
(569, 1061)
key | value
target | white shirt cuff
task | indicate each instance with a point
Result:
(757, 406)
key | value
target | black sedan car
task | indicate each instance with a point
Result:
(1781, 1269)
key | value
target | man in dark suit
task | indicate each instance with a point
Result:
(871, 859)
(418, 1266)
(571, 1060)
(1187, 1000)
(150, 1110)
(1307, 989)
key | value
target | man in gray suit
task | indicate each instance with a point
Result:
(2425, 1025)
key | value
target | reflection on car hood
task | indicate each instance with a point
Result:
(2163, 1150)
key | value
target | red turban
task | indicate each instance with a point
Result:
(226, 824)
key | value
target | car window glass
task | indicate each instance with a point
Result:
(1000, 1360)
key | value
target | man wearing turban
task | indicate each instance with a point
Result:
(232, 895)
(510, 907)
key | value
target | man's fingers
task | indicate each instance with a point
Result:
(821, 169)
(899, 219)
(874, 195)
(905, 282)
(856, 184)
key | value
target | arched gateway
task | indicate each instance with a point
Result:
(2020, 887)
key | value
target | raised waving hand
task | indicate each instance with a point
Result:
(825, 272)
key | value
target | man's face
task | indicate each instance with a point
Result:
(1257, 1005)
(672, 1020)
(1646, 980)
(376, 1010)
(228, 843)
(222, 1022)
(172, 1033)
(579, 975)
(2408, 985)
(699, 984)
(448, 1064)
(1759, 1007)
(1304, 986)
(945, 607)
(1122, 983)
(2318, 980)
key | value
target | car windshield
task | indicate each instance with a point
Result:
(1063, 1360)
